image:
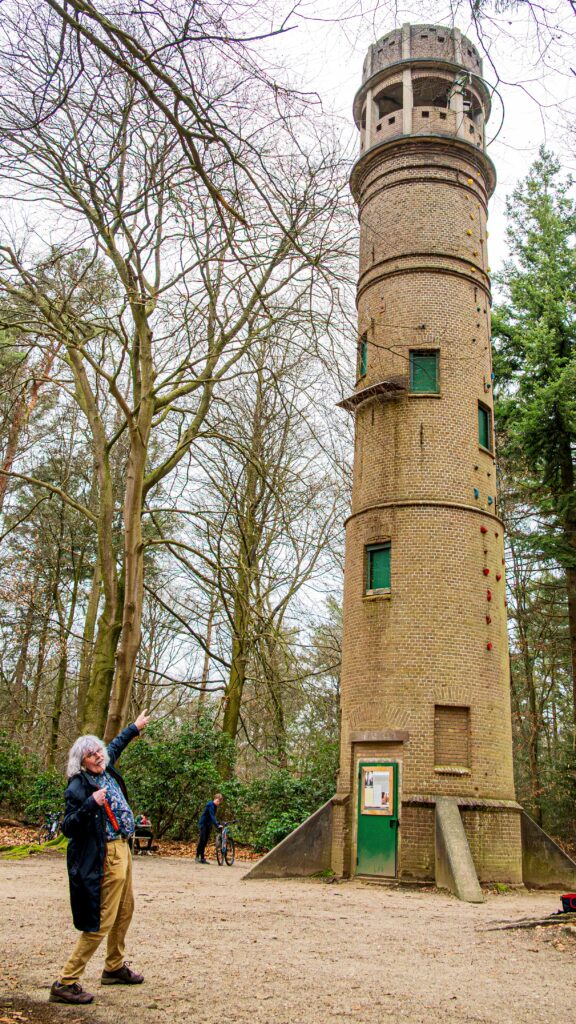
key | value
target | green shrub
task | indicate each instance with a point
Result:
(44, 793)
(278, 803)
(174, 771)
(12, 775)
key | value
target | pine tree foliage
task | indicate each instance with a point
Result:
(535, 366)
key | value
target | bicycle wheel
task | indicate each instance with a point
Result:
(43, 834)
(219, 855)
(230, 852)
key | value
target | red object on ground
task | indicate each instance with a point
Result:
(568, 902)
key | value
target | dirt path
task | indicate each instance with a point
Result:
(215, 948)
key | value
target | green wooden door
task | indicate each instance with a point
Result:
(377, 819)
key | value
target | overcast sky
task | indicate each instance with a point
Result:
(536, 93)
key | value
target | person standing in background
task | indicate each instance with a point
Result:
(207, 819)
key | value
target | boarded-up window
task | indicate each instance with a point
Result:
(452, 736)
(377, 568)
(424, 378)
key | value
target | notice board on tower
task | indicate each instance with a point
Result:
(377, 789)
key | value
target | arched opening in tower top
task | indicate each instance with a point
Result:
(431, 92)
(389, 100)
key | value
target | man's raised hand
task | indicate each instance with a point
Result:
(142, 720)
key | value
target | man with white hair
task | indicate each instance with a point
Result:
(99, 824)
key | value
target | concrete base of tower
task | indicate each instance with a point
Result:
(504, 844)
(492, 829)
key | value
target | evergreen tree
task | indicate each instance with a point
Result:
(535, 368)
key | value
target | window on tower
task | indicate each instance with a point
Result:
(363, 355)
(424, 371)
(484, 426)
(378, 568)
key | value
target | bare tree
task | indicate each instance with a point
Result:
(149, 291)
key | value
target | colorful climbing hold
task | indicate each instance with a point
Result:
(486, 571)
(488, 595)
(483, 529)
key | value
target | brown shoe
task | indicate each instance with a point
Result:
(69, 994)
(123, 976)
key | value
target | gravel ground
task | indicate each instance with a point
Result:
(216, 948)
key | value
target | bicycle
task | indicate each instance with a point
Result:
(49, 828)
(225, 848)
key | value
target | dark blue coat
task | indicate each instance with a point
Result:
(208, 816)
(85, 826)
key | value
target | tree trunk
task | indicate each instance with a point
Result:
(42, 644)
(139, 428)
(19, 688)
(65, 629)
(279, 723)
(236, 679)
(131, 629)
(249, 537)
(206, 665)
(566, 503)
(103, 666)
(109, 623)
(87, 652)
(571, 592)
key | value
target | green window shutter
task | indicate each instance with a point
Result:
(378, 567)
(484, 427)
(363, 355)
(424, 372)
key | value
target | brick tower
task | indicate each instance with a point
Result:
(425, 686)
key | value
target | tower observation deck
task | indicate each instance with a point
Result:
(425, 688)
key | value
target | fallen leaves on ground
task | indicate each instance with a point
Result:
(23, 834)
(171, 848)
(10, 836)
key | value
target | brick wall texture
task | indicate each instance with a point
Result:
(422, 482)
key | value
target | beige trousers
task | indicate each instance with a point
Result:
(116, 909)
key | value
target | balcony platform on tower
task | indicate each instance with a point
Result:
(384, 389)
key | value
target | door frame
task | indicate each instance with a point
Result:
(383, 758)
